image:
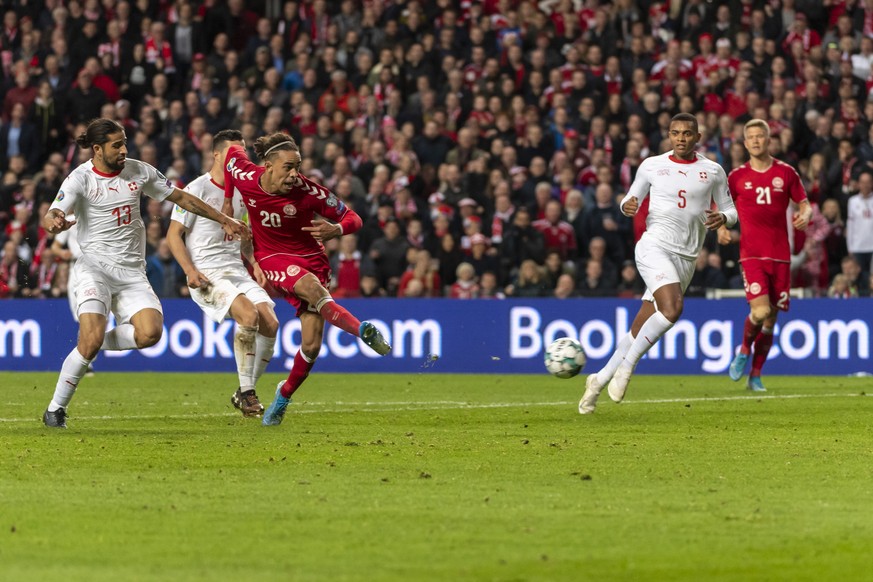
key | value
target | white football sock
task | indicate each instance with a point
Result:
(264, 347)
(244, 351)
(655, 327)
(119, 338)
(74, 367)
(608, 371)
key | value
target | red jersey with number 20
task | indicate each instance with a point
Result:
(762, 199)
(276, 219)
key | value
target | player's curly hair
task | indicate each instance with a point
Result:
(98, 132)
(270, 144)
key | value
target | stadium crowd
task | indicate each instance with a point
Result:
(485, 144)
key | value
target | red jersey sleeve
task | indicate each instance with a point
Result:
(237, 167)
(732, 184)
(795, 186)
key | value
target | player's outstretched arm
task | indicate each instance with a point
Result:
(55, 221)
(196, 279)
(193, 204)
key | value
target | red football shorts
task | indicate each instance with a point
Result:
(771, 278)
(283, 272)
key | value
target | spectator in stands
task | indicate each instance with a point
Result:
(19, 137)
(422, 270)
(465, 285)
(389, 256)
(859, 222)
(528, 282)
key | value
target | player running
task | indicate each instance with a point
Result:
(105, 194)
(681, 185)
(291, 217)
(219, 282)
(763, 188)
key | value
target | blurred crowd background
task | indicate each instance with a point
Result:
(485, 143)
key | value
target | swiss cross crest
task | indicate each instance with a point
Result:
(289, 210)
(703, 177)
(133, 186)
(748, 185)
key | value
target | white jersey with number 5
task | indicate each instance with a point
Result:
(209, 246)
(110, 227)
(680, 193)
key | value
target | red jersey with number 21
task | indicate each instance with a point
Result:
(762, 200)
(276, 219)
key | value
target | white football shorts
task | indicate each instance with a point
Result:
(659, 267)
(101, 288)
(226, 285)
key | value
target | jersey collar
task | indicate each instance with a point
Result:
(680, 160)
(104, 174)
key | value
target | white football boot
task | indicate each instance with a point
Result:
(618, 385)
(592, 391)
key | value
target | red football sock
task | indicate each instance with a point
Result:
(339, 316)
(750, 332)
(762, 347)
(299, 372)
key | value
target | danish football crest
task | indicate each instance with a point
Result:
(289, 210)
(293, 270)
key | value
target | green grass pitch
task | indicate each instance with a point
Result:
(438, 477)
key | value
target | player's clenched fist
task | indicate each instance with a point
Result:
(236, 228)
(55, 221)
(630, 207)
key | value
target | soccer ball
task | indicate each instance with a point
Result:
(565, 358)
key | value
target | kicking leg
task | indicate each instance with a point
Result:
(310, 290)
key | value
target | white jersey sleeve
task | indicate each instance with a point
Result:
(154, 184)
(640, 187)
(722, 195)
(206, 240)
(68, 195)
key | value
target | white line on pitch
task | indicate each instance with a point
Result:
(306, 408)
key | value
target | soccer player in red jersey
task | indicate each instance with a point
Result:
(291, 217)
(762, 189)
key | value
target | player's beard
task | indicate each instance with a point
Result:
(115, 165)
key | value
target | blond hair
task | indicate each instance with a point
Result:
(757, 123)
